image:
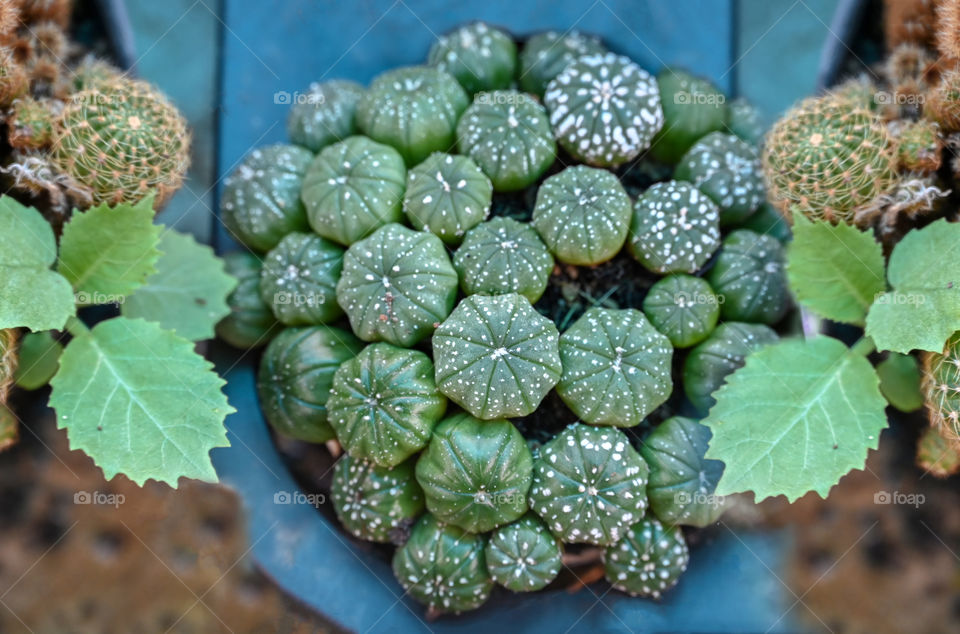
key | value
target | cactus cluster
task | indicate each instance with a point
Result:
(494, 301)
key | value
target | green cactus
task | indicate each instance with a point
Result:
(30, 123)
(494, 126)
(296, 372)
(583, 215)
(8, 364)
(545, 54)
(936, 454)
(604, 109)
(524, 556)
(447, 195)
(745, 121)
(768, 221)
(503, 256)
(414, 109)
(261, 198)
(589, 485)
(479, 56)
(919, 146)
(830, 160)
(750, 278)
(941, 389)
(684, 308)
(496, 356)
(943, 101)
(325, 115)
(383, 404)
(648, 561)
(251, 322)
(692, 108)
(475, 474)
(616, 367)
(120, 141)
(299, 280)
(352, 188)
(675, 228)
(397, 285)
(375, 503)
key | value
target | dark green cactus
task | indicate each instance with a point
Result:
(251, 322)
(524, 556)
(299, 279)
(372, 502)
(692, 109)
(648, 561)
(749, 275)
(447, 195)
(684, 308)
(545, 54)
(478, 55)
(325, 114)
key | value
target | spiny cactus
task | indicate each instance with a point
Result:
(829, 161)
(121, 140)
(30, 123)
(948, 29)
(14, 81)
(907, 64)
(941, 388)
(936, 454)
(8, 362)
(918, 146)
(943, 101)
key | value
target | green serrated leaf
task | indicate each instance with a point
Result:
(835, 270)
(139, 401)
(923, 309)
(796, 418)
(39, 359)
(188, 293)
(900, 382)
(31, 295)
(107, 252)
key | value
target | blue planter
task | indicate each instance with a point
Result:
(733, 584)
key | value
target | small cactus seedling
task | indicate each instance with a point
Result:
(251, 322)
(919, 146)
(745, 121)
(749, 275)
(936, 454)
(684, 308)
(604, 109)
(682, 481)
(616, 367)
(372, 502)
(724, 351)
(675, 228)
(261, 198)
(295, 376)
(829, 159)
(299, 280)
(692, 109)
(352, 188)
(384, 405)
(943, 101)
(728, 171)
(120, 141)
(413, 109)
(325, 115)
(475, 474)
(30, 123)
(589, 485)
(479, 56)
(503, 256)
(397, 285)
(497, 356)
(443, 567)
(524, 556)
(583, 215)
(494, 126)
(546, 54)
(941, 387)
(648, 561)
(447, 195)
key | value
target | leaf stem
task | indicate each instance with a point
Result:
(76, 327)
(865, 346)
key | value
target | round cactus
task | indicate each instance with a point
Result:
(648, 561)
(325, 115)
(508, 134)
(692, 108)
(443, 567)
(414, 109)
(496, 356)
(545, 54)
(724, 351)
(352, 188)
(941, 388)
(372, 502)
(503, 256)
(616, 367)
(14, 81)
(30, 123)
(397, 285)
(251, 322)
(749, 275)
(919, 146)
(479, 56)
(295, 376)
(745, 121)
(604, 109)
(475, 474)
(583, 215)
(768, 221)
(675, 228)
(261, 198)
(943, 101)
(589, 485)
(447, 195)
(682, 480)
(299, 280)
(728, 171)
(936, 454)
(120, 141)
(683, 308)
(384, 404)
(524, 556)
(829, 160)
